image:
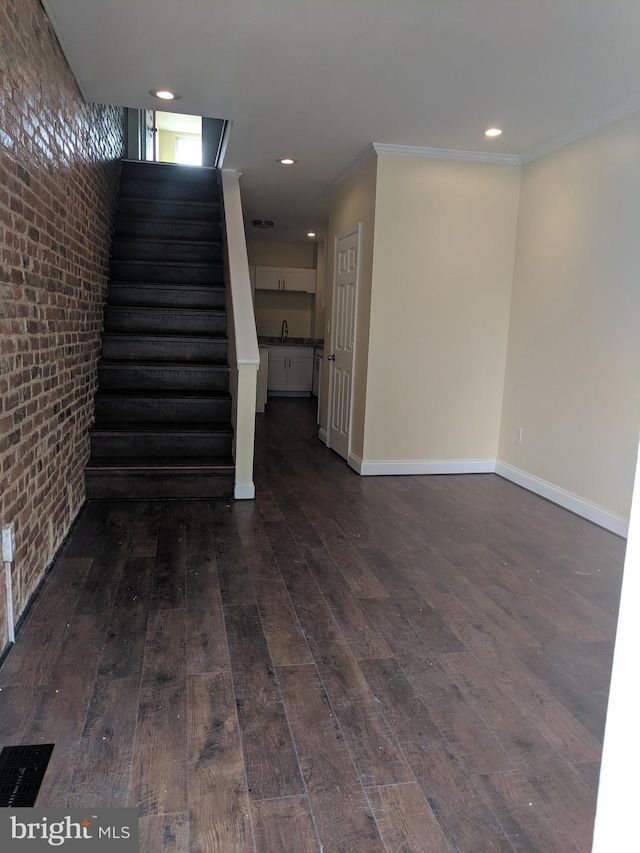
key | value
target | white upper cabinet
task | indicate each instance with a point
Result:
(299, 279)
(268, 278)
(286, 278)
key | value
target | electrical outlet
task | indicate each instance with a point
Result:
(518, 435)
(8, 544)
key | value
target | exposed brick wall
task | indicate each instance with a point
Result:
(58, 178)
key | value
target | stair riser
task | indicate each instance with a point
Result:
(178, 350)
(141, 377)
(159, 229)
(157, 446)
(134, 321)
(158, 251)
(142, 171)
(165, 296)
(167, 273)
(159, 209)
(161, 410)
(149, 485)
(169, 190)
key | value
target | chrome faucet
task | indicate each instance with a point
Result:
(284, 332)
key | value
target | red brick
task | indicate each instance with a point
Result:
(57, 197)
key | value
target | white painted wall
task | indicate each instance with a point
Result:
(442, 272)
(274, 254)
(573, 365)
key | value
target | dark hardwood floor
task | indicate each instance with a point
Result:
(345, 664)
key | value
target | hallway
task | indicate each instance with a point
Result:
(343, 664)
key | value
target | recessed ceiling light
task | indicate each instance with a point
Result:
(262, 223)
(164, 94)
(286, 161)
(311, 233)
(493, 131)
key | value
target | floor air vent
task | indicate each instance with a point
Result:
(22, 770)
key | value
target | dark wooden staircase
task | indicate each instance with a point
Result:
(162, 410)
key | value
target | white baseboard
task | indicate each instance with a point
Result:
(244, 491)
(424, 466)
(355, 462)
(322, 435)
(559, 496)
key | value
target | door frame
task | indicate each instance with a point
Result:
(357, 229)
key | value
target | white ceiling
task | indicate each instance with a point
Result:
(318, 80)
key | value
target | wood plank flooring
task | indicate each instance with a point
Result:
(344, 664)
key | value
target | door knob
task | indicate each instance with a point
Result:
(331, 358)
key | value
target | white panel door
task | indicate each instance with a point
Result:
(343, 327)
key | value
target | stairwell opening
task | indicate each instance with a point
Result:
(162, 136)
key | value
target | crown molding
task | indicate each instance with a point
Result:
(364, 157)
(374, 149)
(447, 154)
(577, 133)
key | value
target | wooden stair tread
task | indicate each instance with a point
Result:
(216, 312)
(177, 463)
(182, 241)
(152, 200)
(180, 170)
(149, 285)
(163, 395)
(167, 220)
(163, 263)
(178, 427)
(207, 366)
(137, 336)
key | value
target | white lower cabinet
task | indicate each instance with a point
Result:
(290, 370)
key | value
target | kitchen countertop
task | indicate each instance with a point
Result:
(275, 341)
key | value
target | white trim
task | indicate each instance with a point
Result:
(322, 435)
(224, 142)
(580, 132)
(244, 491)
(565, 499)
(355, 462)
(358, 163)
(243, 319)
(490, 157)
(426, 466)
(376, 148)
